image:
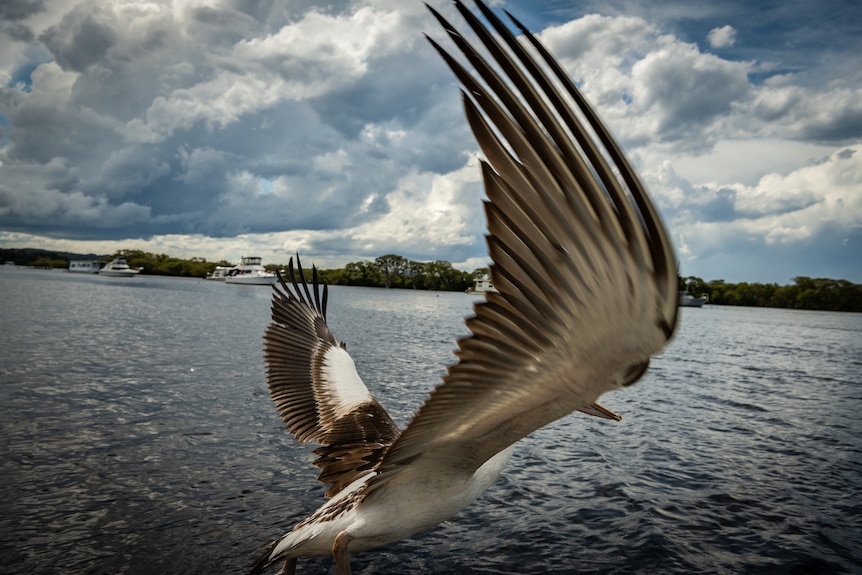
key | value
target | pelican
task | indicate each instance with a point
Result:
(587, 287)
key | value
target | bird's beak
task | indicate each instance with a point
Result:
(599, 411)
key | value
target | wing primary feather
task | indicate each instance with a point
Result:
(535, 171)
(659, 246)
(576, 257)
(618, 223)
(308, 298)
(325, 301)
(564, 157)
(540, 206)
(584, 185)
(574, 159)
(520, 131)
(314, 283)
(566, 270)
(535, 175)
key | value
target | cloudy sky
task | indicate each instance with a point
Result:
(221, 128)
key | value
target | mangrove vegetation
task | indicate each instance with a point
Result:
(394, 271)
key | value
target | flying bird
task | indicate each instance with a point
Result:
(587, 287)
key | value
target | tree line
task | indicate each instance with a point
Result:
(165, 265)
(152, 264)
(394, 271)
(389, 271)
(805, 293)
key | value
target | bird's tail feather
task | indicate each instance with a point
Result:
(265, 559)
(278, 550)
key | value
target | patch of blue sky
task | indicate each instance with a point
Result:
(265, 186)
(22, 77)
(4, 131)
(781, 36)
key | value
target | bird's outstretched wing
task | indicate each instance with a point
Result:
(583, 264)
(314, 384)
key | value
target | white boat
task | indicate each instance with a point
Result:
(85, 266)
(250, 272)
(482, 285)
(686, 300)
(218, 274)
(118, 268)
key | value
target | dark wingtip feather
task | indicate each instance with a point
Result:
(301, 292)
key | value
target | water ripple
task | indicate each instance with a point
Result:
(138, 438)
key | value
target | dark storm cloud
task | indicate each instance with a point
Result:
(688, 90)
(339, 129)
(81, 39)
(20, 9)
(16, 31)
(215, 180)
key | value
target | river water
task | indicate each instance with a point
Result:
(138, 437)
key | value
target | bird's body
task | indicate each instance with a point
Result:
(417, 502)
(587, 293)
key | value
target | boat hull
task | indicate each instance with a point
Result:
(268, 279)
(686, 300)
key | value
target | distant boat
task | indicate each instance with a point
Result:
(118, 268)
(219, 274)
(482, 285)
(686, 300)
(85, 266)
(250, 272)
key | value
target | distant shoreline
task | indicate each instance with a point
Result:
(393, 271)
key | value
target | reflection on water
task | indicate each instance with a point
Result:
(138, 437)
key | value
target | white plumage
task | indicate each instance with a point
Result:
(587, 294)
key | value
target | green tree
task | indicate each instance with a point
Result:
(362, 274)
(393, 269)
(696, 286)
(50, 262)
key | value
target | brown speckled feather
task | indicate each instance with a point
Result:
(315, 387)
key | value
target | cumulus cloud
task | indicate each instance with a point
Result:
(231, 127)
(722, 37)
(652, 86)
(805, 113)
(781, 213)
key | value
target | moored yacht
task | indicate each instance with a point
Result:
(250, 272)
(686, 300)
(118, 267)
(219, 274)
